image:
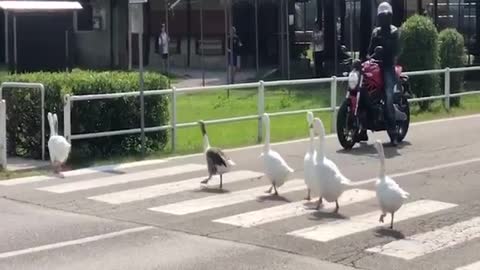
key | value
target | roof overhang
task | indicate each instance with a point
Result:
(32, 6)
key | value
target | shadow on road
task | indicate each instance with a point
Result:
(382, 232)
(272, 197)
(369, 150)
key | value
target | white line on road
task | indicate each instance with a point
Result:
(26, 180)
(113, 167)
(79, 172)
(473, 266)
(343, 227)
(427, 169)
(217, 201)
(72, 242)
(145, 193)
(426, 243)
(123, 179)
(289, 210)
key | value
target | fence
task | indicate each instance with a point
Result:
(174, 126)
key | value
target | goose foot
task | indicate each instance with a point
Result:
(382, 216)
(308, 196)
(269, 190)
(206, 180)
(276, 192)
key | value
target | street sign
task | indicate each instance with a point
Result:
(136, 18)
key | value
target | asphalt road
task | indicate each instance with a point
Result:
(155, 214)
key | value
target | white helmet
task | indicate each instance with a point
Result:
(384, 7)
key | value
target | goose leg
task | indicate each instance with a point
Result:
(275, 188)
(308, 195)
(391, 222)
(221, 181)
(336, 207)
(269, 190)
(382, 216)
(320, 201)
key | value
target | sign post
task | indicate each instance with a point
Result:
(136, 26)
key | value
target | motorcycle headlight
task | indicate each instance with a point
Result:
(353, 79)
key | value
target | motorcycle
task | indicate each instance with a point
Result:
(364, 105)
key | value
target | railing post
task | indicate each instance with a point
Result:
(261, 110)
(447, 88)
(67, 113)
(174, 119)
(333, 103)
(3, 134)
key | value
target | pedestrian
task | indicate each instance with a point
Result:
(163, 41)
(234, 55)
(318, 44)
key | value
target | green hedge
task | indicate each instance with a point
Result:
(420, 52)
(24, 122)
(452, 54)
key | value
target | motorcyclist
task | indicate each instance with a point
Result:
(388, 37)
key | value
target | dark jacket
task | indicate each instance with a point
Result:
(390, 41)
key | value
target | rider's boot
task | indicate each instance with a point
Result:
(362, 136)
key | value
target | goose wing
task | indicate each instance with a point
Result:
(217, 156)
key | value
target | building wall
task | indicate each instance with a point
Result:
(93, 47)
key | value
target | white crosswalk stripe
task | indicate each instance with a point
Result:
(123, 179)
(217, 201)
(429, 242)
(341, 228)
(289, 210)
(80, 172)
(140, 194)
(473, 266)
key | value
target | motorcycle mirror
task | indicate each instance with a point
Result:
(345, 74)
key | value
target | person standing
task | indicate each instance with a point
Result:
(234, 54)
(318, 44)
(163, 41)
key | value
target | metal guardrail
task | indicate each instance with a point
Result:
(173, 126)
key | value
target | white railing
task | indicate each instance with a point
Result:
(173, 126)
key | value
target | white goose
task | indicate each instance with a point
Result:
(58, 146)
(275, 167)
(309, 159)
(389, 194)
(330, 181)
(217, 161)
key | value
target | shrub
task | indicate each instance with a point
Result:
(419, 39)
(452, 54)
(24, 118)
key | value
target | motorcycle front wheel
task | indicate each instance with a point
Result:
(345, 130)
(402, 126)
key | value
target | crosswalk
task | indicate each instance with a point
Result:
(246, 188)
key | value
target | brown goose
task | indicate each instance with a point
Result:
(217, 161)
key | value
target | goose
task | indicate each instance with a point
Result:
(217, 161)
(58, 146)
(275, 167)
(329, 180)
(309, 159)
(389, 194)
